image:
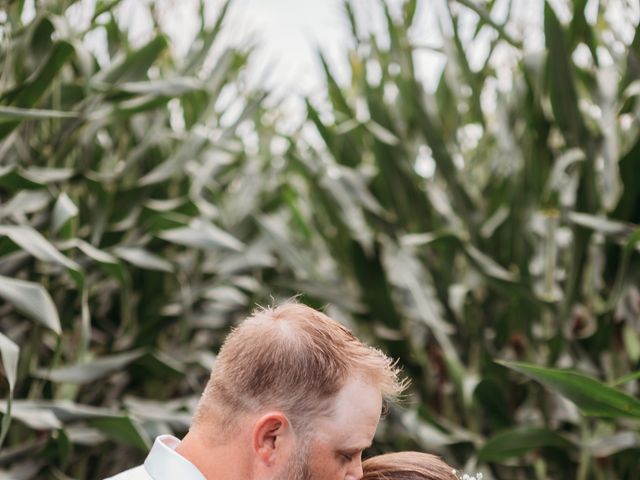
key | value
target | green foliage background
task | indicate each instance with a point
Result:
(148, 202)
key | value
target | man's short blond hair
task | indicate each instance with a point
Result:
(290, 358)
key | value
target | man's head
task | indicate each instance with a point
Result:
(294, 379)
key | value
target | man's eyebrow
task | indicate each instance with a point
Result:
(353, 451)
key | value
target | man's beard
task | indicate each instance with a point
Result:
(297, 467)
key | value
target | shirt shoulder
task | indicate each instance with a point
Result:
(137, 473)
(163, 463)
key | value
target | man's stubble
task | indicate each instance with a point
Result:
(297, 467)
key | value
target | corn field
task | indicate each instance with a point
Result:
(485, 233)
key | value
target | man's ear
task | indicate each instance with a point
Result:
(269, 432)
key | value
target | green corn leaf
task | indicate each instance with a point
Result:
(174, 87)
(142, 258)
(34, 88)
(33, 242)
(592, 397)
(15, 178)
(204, 235)
(91, 371)
(63, 211)
(133, 67)
(9, 353)
(32, 300)
(52, 415)
(201, 48)
(519, 441)
(561, 80)
(16, 113)
(124, 430)
(30, 415)
(25, 202)
(625, 379)
(41, 80)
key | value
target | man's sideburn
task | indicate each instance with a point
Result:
(297, 467)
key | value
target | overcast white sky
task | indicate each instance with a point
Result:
(288, 33)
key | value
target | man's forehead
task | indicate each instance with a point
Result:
(350, 426)
(357, 401)
(344, 440)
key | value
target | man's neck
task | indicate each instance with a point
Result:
(215, 462)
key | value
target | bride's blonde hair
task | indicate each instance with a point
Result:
(407, 466)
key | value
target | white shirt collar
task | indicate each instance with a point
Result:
(164, 463)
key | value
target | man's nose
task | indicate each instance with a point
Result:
(355, 472)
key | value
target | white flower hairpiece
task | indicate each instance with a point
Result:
(466, 476)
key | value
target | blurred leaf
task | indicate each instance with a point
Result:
(174, 87)
(11, 180)
(133, 67)
(435, 139)
(162, 365)
(103, 6)
(335, 94)
(45, 175)
(203, 235)
(174, 166)
(14, 178)
(142, 258)
(9, 352)
(16, 113)
(562, 90)
(31, 91)
(63, 210)
(52, 415)
(171, 411)
(488, 266)
(64, 411)
(124, 430)
(108, 262)
(38, 246)
(91, 251)
(405, 270)
(421, 239)
(91, 371)
(601, 224)
(409, 11)
(581, 30)
(381, 133)
(35, 86)
(375, 287)
(25, 202)
(489, 394)
(200, 48)
(24, 470)
(519, 441)
(32, 300)
(609, 445)
(631, 339)
(625, 379)
(485, 17)
(36, 418)
(591, 396)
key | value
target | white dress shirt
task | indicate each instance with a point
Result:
(163, 463)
